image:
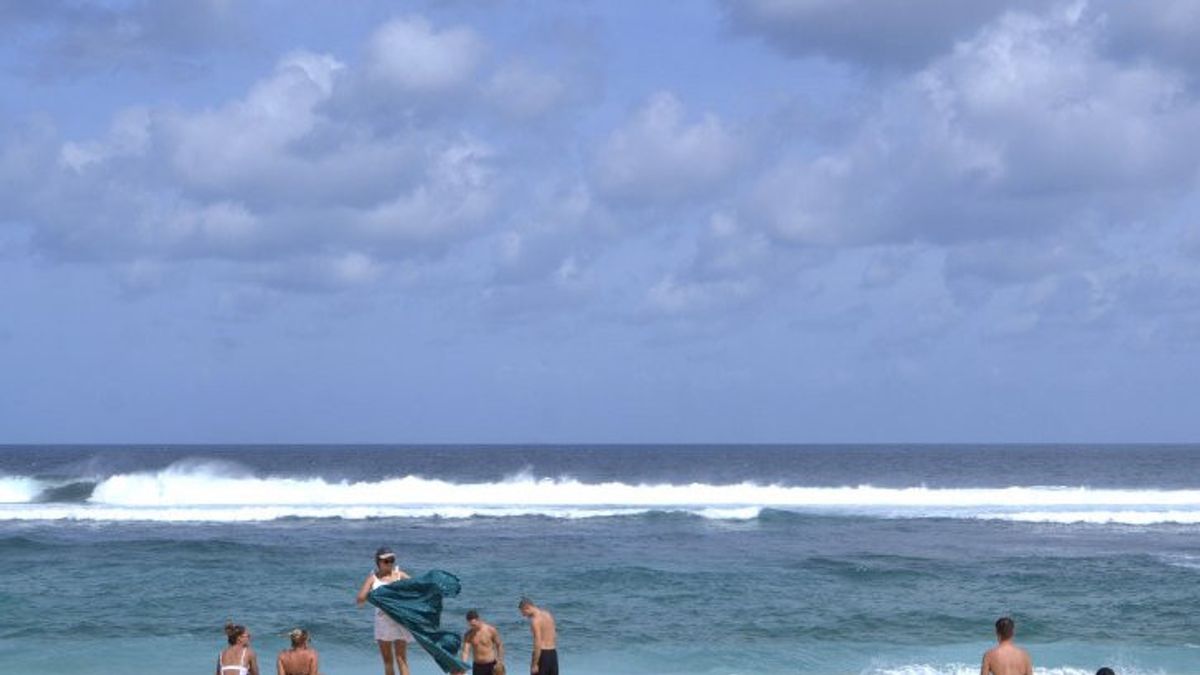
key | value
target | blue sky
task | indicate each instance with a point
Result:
(508, 221)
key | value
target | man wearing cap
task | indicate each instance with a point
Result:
(482, 641)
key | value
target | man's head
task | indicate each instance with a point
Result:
(473, 618)
(1005, 627)
(1105, 671)
(526, 607)
(299, 637)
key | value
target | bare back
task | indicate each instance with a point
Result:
(1006, 659)
(298, 662)
(545, 636)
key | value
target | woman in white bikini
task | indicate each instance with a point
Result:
(393, 638)
(238, 658)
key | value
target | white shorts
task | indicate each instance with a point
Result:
(388, 630)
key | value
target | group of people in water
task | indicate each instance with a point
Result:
(482, 646)
(1006, 658)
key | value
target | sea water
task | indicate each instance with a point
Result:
(654, 559)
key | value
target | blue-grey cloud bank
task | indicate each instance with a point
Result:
(726, 221)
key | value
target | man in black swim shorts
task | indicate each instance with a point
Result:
(482, 643)
(545, 638)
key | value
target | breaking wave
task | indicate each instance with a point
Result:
(221, 492)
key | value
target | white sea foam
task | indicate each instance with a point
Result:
(200, 486)
(18, 489)
(194, 491)
(963, 669)
(1102, 517)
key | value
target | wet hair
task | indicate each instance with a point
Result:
(1105, 671)
(525, 602)
(1005, 627)
(472, 615)
(234, 631)
(299, 636)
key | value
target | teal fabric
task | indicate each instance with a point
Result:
(416, 604)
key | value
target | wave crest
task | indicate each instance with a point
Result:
(208, 491)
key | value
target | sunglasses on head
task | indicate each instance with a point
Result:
(386, 560)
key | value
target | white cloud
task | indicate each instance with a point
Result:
(525, 92)
(272, 176)
(411, 55)
(1027, 128)
(458, 191)
(249, 138)
(673, 297)
(658, 156)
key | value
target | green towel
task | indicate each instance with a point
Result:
(416, 604)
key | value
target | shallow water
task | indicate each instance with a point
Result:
(667, 560)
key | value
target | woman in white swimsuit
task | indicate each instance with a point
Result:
(393, 638)
(238, 658)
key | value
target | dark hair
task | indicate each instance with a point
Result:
(233, 631)
(525, 602)
(472, 615)
(1005, 627)
(1105, 671)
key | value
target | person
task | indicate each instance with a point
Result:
(239, 657)
(544, 660)
(1105, 671)
(393, 638)
(1006, 658)
(301, 659)
(482, 641)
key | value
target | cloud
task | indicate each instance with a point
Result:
(272, 177)
(671, 297)
(1163, 31)
(658, 157)
(1025, 129)
(728, 266)
(70, 39)
(411, 56)
(875, 34)
(525, 92)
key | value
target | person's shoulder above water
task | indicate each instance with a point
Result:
(1006, 658)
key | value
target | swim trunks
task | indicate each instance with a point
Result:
(548, 662)
(488, 668)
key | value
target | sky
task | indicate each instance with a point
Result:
(506, 221)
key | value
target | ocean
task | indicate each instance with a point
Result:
(705, 560)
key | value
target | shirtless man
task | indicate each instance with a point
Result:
(545, 637)
(1006, 658)
(482, 641)
(301, 659)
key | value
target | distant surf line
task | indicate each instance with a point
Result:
(201, 493)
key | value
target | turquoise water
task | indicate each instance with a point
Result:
(714, 561)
